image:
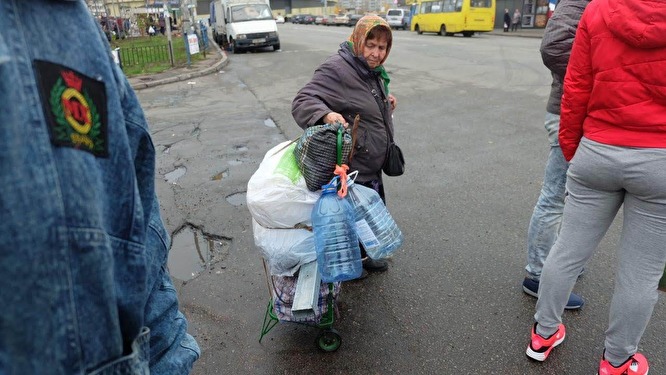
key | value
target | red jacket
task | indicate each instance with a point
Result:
(615, 85)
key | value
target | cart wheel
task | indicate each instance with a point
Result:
(329, 340)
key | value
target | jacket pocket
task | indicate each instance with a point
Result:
(135, 363)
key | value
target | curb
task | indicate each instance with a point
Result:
(514, 35)
(185, 76)
(519, 36)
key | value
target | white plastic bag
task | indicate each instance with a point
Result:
(277, 195)
(285, 250)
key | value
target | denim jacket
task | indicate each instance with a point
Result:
(83, 250)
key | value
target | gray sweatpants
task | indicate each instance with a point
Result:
(600, 179)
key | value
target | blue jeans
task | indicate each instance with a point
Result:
(547, 216)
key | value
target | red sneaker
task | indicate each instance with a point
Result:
(635, 365)
(540, 347)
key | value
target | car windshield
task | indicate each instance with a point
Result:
(250, 12)
(395, 13)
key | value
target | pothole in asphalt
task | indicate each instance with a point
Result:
(241, 148)
(237, 199)
(173, 176)
(193, 251)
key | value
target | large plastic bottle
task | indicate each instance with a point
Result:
(375, 227)
(336, 242)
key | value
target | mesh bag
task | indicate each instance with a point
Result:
(317, 153)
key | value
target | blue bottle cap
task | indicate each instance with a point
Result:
(332, 185)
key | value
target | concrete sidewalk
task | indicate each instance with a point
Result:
(215, 60)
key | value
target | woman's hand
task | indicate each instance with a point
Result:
(334, 117)
(393, 101)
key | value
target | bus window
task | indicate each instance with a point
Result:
(482, 3)
(436, 7)
(459, 5)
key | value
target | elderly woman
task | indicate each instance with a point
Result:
(354, 82)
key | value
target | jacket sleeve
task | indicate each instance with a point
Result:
(559, 35)
(322, 95)
(577, 89)
(172, 350)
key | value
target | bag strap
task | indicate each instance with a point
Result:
(375, 94)
(341, 169)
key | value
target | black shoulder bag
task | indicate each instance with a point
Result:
(394, 163)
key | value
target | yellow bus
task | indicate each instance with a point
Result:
(448, 17)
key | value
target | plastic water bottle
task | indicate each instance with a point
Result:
(336, 242)
(375, 226)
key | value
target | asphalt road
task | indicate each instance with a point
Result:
(470, 122)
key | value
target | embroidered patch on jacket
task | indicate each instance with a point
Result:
(75, 108)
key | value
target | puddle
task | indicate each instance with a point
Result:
(270, 123)
(193, 251)
(173, 176)
(237, 199)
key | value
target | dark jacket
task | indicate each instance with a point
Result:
(507, 20)
(345, 84)
(556, 46)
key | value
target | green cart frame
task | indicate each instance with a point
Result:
(328, 340)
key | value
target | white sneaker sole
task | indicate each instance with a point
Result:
(542, 356)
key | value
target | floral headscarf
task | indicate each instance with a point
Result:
(357, 41)
(360, 33)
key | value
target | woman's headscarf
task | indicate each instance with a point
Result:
(361, 30)
(359, 35)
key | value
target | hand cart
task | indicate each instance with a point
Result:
(281, 297)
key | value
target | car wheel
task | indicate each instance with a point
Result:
(276, 47)
(418, 30)
(235, 49)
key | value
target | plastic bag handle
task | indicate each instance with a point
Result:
(339, 144)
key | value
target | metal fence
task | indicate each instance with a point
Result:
(141, 55)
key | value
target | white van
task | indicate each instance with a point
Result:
(241, 25)
(396, 18)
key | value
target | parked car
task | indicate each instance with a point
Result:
(353, 19)
(279, 19)
(319, 20)
(308, 19)
(341, 20)
(329, 20)
(396, 18)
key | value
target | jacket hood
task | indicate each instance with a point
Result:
(639, 23)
